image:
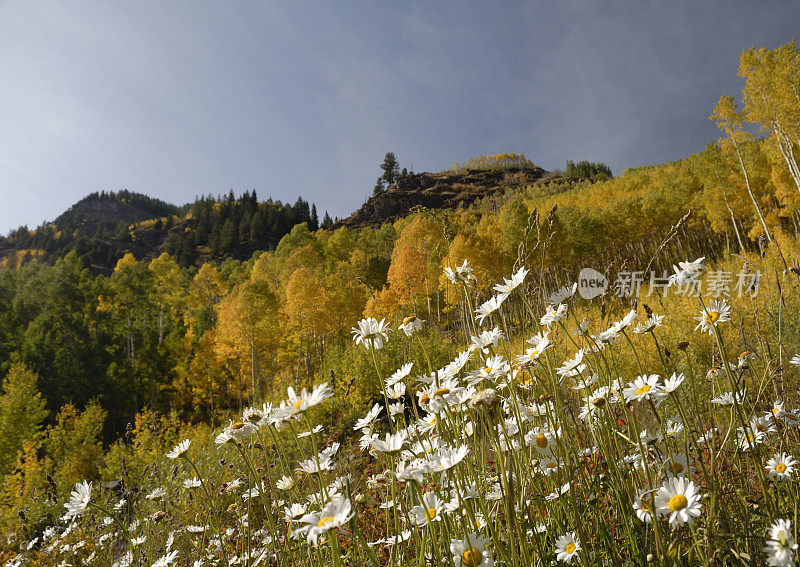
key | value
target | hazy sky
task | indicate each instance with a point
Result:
(176, 99)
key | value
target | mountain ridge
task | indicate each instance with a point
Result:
(102, 227)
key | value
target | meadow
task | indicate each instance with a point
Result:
(435, 391)
(667, 436)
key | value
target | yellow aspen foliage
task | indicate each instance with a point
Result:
(166, 290)
(383, 305)
(483, 249)
(346, 300)
(416, 262)
(307, 303)
(205, 290)
(207, 286)
(306, 256)
(201, 383)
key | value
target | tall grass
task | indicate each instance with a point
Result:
(562, 432)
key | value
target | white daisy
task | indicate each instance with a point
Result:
(489, 306)
(567, 547)
(335, 514)
(367, 421)
(687, 272)
(430, 511)
(716, 312)
(649, 324)
(471, 552)
(371, 333)
(565, 292)
(461, 274)
(166, 560)
(642, 388)
(747, 438)
(486, 339)
(672, 383)
(236, 431)
(179, 449)
(445, 458)
(510, 285)
(393, 443)
(411, 325)
(554, 315)
(79, 500)
(781, 466)
(642, 506)
(573, 366)
(678, 465)
(193, 482)
(780, 545)
(399, 374)
(305, 400)
(678, 499)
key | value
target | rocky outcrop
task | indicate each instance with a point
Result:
(446, 190)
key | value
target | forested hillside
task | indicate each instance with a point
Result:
(102, 227)
(176, 331)
(165, 320)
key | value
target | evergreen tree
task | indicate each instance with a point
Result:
(390, 168)
(314, 222)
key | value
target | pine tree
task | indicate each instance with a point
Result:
(391, 169)
(314, 222)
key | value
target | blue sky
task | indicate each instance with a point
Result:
(177, 99)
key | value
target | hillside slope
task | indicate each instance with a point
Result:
(102, 227)
(445, 190)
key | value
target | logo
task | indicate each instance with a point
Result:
(591, 283)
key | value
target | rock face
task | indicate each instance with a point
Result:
(446, 190)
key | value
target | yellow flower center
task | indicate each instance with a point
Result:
(409, 319)
(425, 398)
(431, 513)
(297, 404)
(471, 557)
(570, 547)
(541, 441)
(552, 465)
(642, 390)
(780, 468)
(236, 426)
(441, 392)
(324, 521)
(487, 370)
(675, 467)
(599, 402)
(775, 411)
(712, 317)
(645, 507)
(677, 502)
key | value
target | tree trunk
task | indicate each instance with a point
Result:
(733, 218)
(750, 191)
